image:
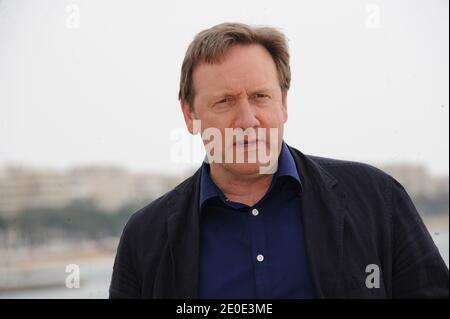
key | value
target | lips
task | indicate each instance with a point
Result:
(246, 143)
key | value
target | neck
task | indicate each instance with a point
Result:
(246, 189)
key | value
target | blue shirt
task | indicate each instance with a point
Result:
(254, 251)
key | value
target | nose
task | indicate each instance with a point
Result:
(246, 115)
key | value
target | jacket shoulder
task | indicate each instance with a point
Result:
(152, 218)
(345, 170)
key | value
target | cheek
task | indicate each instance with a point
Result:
(213, 122)
(275, 118)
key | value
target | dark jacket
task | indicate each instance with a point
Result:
(354, 215)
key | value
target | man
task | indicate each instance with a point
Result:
(306, 227)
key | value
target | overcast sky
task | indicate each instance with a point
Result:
(369, 78)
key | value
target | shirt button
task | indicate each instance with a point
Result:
(260, 258)
(255, 212)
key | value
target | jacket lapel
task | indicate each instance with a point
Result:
(323, 215)
(183, 236)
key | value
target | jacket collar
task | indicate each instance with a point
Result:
(323, 211)
(323, 207)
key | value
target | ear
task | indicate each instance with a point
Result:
(284, 105)
(189, 116)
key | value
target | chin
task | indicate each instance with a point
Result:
(244, 168)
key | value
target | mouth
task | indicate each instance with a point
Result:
(246, 143)
(248, 146)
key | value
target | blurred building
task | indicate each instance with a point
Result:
(417, 180)
(24, 188)
(109, 187)
(150, 186)
(112, 187)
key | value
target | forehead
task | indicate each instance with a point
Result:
(242, 67)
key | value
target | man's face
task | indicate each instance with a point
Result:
(242, 91)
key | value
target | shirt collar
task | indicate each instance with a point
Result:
(286, 167)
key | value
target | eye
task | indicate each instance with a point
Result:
(261, 96)
(223, 101)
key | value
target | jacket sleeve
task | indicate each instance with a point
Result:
(418, 268)
(124, 282)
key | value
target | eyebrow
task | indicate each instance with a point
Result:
(261, 90)
(231, 93)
